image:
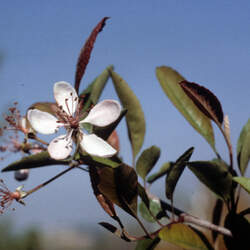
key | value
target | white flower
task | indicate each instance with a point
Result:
(68, 116)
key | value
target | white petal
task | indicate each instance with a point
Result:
(104, 113)
(60, 147)
(43, 122)
(96, 146)
(66, 96)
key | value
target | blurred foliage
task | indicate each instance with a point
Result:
(29, 239)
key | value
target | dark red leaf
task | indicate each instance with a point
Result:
(205, 100)
(85, 53)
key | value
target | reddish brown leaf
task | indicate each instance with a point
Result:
(105, 203)
(126, 187)
(205, 100)
(85, 53)
(118, 185)
(114, 141)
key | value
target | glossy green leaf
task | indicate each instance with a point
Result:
(165, 168)
(183, 236)
(35, 161)
(155, 208)
(243, 148)
(244, 182)
(176, 171)
(147, 244)
(169, 80)
(215, 175)
(147, 161)
(93, 92)
(134, 117)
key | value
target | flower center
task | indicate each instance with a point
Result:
(70, 119)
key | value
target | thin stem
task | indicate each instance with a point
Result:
(138, 220)
(229, 145)
(41, 141)
(142, 226)
(27, 193)
(83, 169)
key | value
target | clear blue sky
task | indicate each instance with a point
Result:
(206, 41)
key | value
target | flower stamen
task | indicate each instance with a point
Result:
(7, 197)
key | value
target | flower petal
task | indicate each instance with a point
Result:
(60, 147)
(96, 146)
(43, 122)
(104, 113)
(66, 97)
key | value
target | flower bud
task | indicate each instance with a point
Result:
(22, 174)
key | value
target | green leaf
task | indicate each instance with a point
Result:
(112, 162)
(176, 171)
(155, 208)
(215, 175)
(93, 92)
(169, 80)
(134, 117)
(147, 244)
(244, 182)
(35, 161)
(147, 161)
(183, 236)
(165, 168)
(243, 148)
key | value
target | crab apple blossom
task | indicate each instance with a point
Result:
(68, 115)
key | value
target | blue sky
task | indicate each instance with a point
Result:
(206, 41)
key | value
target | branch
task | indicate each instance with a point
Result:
(185, 217)
(203, 223)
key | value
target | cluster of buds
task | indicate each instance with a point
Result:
(7, 197)
(17, 123)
